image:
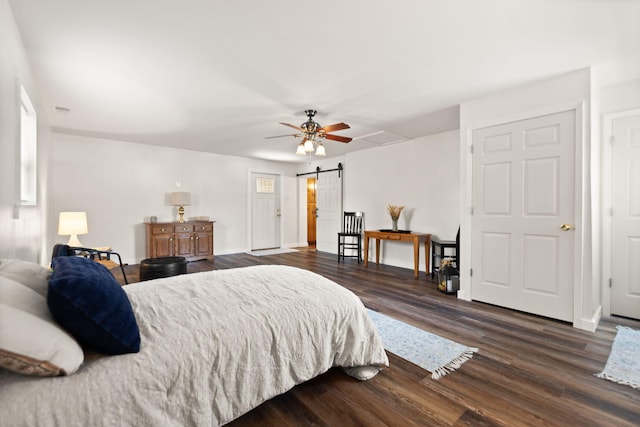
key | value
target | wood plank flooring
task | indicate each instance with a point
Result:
(529, 371)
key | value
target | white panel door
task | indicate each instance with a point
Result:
(329, 208)
(265, 221)
(523, 191)
(625, 218)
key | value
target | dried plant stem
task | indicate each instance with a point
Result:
(394, 211)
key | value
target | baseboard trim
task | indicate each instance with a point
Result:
(590, 324)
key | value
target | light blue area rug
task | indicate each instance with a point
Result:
(435, 354)
(623, 365)
(263, 252)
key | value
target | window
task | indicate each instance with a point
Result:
(28, 150)
(265, 185)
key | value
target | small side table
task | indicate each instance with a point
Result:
(439, 251)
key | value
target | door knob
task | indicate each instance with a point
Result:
(567, 227)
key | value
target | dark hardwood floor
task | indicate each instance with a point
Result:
(529, 371)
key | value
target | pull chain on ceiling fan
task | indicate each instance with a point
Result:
(312, 135)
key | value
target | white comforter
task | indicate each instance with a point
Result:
(214, 346)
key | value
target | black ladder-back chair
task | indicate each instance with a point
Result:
(97, 255)
(350, 238)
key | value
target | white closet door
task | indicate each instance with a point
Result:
(625, 218)
(523, 192)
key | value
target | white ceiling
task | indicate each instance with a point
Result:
(218, 76)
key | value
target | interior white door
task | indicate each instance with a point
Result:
(625, 217)
(265, 216)
(523, 191)
(329, 208)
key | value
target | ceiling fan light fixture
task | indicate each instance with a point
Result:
(320, 150)
(308, 146)
(301, 151)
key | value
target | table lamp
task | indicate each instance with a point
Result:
(71, 224)
(181, 199)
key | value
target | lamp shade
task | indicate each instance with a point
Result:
(71, 223)
(181, 198)
(308, 146)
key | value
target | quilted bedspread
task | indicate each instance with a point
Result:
(214, 346)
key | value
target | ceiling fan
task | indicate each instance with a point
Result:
(312, 134)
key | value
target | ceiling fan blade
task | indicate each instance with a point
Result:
(334, 127)
(282, 136)
(338, 138)
(293, 126)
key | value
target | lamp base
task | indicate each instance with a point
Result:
(181, 214)
(74, 242)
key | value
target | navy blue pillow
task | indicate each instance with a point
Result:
(86, 300)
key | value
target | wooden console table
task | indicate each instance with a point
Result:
(416, 238)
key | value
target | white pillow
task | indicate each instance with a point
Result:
(29, 274)
(23, 298)
(31, 342)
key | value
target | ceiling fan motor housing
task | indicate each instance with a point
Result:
(310, 127)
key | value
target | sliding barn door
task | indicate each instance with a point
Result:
(329, 208)
(523, 214)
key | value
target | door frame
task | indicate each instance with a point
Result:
(250, 174)
(606, 202)
(582, 185)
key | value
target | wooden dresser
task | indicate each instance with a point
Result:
(192, 240)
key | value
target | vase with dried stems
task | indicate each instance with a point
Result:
(394, 212)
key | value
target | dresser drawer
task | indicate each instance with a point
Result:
(162, 229)
(205, 226)
(183, 228)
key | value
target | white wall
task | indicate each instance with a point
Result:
(621, 96)
(421, 174)
(21, 230)
(568, 91)
(121, 184)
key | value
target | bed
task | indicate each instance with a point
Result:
(213, 345)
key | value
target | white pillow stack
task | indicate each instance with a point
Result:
(31, 342)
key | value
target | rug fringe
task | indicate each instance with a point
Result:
(617, 380)
(454, 364)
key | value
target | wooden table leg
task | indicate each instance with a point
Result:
(427, 248)
(366, 251)
(377, 251)
(416, 256)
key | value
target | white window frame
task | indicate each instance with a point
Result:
(28, 150)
